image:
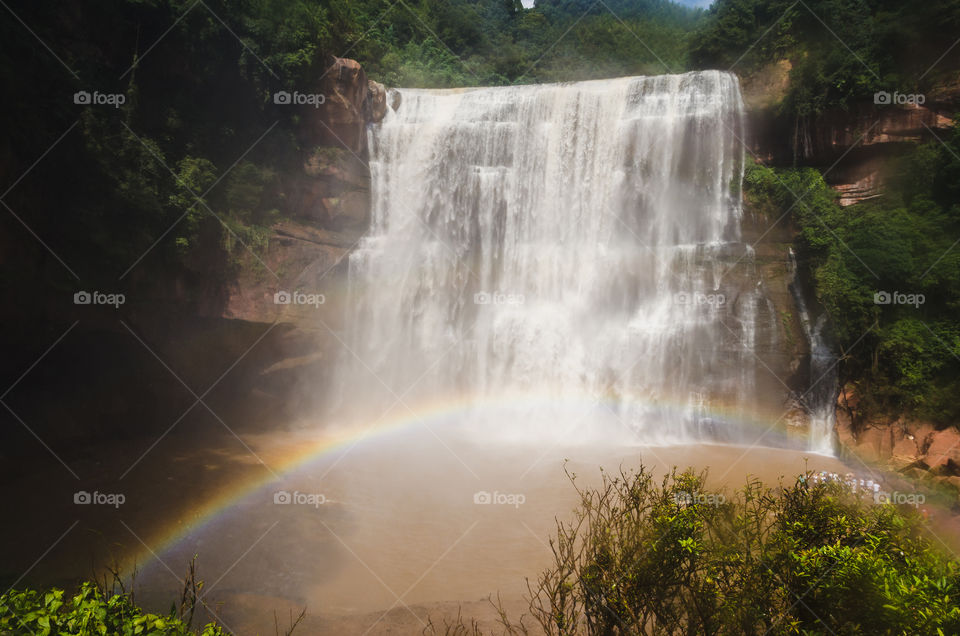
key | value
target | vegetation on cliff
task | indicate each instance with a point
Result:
(841, 51)
(887, 273)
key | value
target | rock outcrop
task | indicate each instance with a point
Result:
(913, 448)
(351, 101)
(855, 143)
(861, 143)
(863, 182)
(327, 205)
(837, 132)
(377, 100)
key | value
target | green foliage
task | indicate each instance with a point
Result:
(448, 43)
(194, 176)
(730, 36)
(89, 611)
(841, 51)
(676, 558)
(900, 356)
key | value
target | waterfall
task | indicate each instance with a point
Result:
(820, 399)
(567, 241)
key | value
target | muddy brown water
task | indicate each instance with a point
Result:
(379, 535)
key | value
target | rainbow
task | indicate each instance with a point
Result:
(436, 414)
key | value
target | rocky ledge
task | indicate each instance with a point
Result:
(918, 450)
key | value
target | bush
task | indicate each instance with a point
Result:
(90, 611)
(675, 558)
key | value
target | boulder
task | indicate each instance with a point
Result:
(351, 101)
(905, 452)
(943, 453)
(395, 99)
(342, 119)
(377, 100)
(951, 482)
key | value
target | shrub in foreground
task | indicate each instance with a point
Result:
(89, 611)
(673, 558)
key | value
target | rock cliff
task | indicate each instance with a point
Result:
(327, 204)
(914, 448)
(853, 146)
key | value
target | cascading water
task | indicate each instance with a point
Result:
(566, 241)
(820, 398)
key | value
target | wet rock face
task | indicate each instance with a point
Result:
(943, 452)
(395, 98)
(864, 130)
